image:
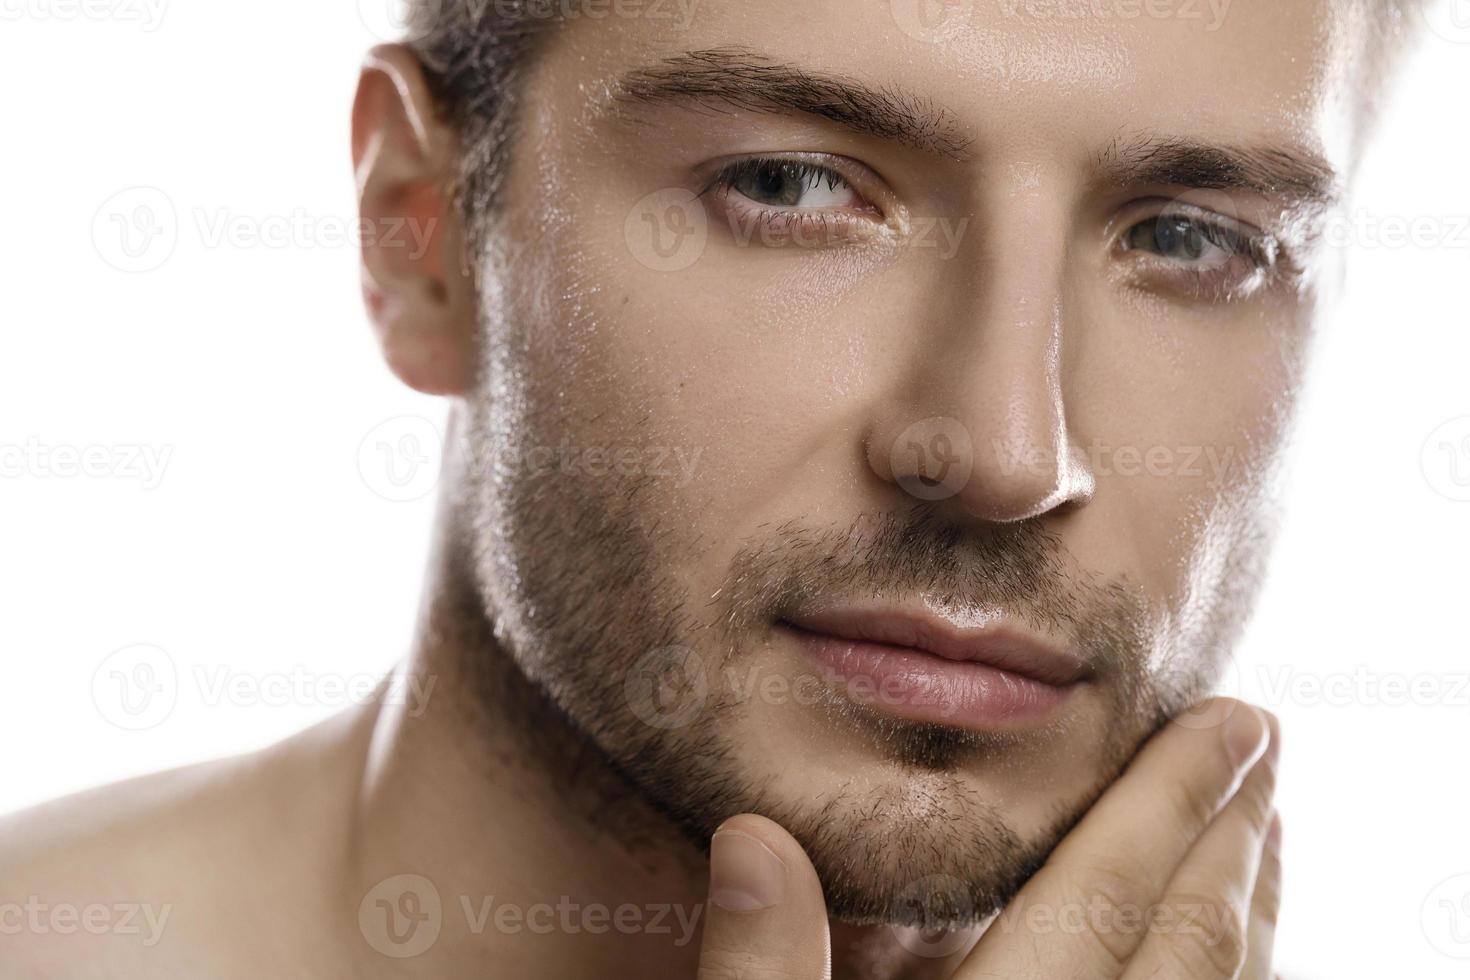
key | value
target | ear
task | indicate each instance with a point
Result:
(413, 281)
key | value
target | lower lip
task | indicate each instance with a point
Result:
(918, 686)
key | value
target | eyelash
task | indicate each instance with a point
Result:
(1265, 261)
(812, 226)
(810, 174)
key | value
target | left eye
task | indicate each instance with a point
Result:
(790, 184)
(1190, 239)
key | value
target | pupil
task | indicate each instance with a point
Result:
(778, 184)
(1175, 235)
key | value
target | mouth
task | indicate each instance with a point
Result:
(917, 666)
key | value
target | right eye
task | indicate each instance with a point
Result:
(790, 184)
(1189, 240)
(1200, 253)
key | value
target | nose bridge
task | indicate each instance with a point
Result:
(1009, 392)
(999, 386)
(1014, 317)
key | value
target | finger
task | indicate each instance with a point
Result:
(1265, 907)
(1123, 852)
(766, 916)
(1199, 928)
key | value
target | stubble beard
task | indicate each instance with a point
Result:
(575, 577)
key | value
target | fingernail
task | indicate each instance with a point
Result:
(1245, 734)
(745, 875)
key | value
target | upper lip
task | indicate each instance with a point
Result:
(998, 646)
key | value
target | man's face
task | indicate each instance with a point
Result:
(876, 409)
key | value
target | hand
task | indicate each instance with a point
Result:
(1187, 832)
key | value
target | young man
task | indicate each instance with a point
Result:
(864, 416)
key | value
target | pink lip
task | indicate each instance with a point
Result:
(916, 666)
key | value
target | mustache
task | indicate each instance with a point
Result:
(1023, 569)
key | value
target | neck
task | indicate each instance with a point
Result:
(545, 861)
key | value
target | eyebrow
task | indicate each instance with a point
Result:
(739, 79)
(733, 78)
(1301, 177)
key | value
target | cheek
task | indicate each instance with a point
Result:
(1185, 434)
(748, 359)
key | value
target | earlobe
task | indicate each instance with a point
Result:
(414, 287)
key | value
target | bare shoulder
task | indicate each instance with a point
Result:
(181, 873)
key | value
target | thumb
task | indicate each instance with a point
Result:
(765, 917)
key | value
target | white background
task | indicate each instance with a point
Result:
(269, 563)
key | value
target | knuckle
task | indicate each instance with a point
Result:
(1191, 803)
(1205, 936)
(1112, 898)
(1112, 883)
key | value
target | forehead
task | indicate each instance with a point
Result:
(1023, 76)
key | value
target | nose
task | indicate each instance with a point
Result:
(979, 418)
